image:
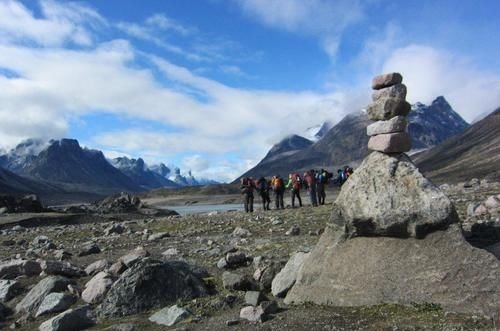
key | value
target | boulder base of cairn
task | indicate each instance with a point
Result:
(397, 91)
(388, 196)
(386, 80)
(442, 268)
(397, 142)
(395, 124)
(387, 108)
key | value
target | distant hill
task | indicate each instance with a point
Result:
(474, 153)
(346, 142)
(12, 184)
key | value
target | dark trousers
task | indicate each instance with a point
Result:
(278, 199)
(312, 196)
(248, 202)
(296, 193)
(266, 200)
(321, 193)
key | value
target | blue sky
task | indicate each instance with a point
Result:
(210, 85)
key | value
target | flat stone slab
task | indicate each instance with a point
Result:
(386, 80)
(387, 108)
(397, 142)
(442, 268)
(170, 316)
(395, 124)
(397, 91)
(285, 279)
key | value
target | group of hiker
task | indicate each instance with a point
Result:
(313, 181)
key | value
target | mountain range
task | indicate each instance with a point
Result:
(64, 166)
(346, 142)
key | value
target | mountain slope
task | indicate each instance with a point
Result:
(137, 170)
(346, 143)
(475, 153)
(10, 183)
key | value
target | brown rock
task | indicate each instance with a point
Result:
(398, 142)
(387, 108)
(386, 80)
(397, 91)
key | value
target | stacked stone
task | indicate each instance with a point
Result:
(389, 109)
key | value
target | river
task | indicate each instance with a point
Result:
(201, 208)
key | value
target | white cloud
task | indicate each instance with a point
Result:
(163, 22)
(196, 163)
(324, 19)
(429, 72)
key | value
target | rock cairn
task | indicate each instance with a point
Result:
(393, 236)
(389, 109)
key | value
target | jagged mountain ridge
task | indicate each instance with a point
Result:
(346, 142)
(142, 176)
(474, 153)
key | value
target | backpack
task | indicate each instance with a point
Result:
(296, 182)
(278, 184)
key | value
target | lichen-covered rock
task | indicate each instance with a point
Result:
(388, 196)
(55, 303)
(442, 268)
(71, 320)
(31, 302)
(149, 284)
(14, 268)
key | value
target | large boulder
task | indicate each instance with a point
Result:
(55, 303)
(31, 302)
(152, 284)
(388, 196)
(71, 320)
(442, 268)
(285, 279)
(97, 287)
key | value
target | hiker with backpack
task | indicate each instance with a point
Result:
(278, 187)
(247, 186)
(310, 182)
(263, 189)
(295, 183)
(322, 178)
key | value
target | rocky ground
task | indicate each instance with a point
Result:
(240, 252)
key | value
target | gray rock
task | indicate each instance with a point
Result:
(62, 268)
(171, 252)
(97, 266)
(252, 314)
(117, 268)
(240, 232)
(270, 307)
(388, 196)
(494, 249)
(397, 91)
(97, 287)
(236, 259)
(158, 236)
(222, 263)
(89, 248)
(170, 316)
(253, 298)
(386, 80)
(4, 210)
(61, 255)
(265, 274)
(234, 281)
(442, 268)
(135, 255)
(397, 142)
(387, 108)
(293, 231)
(232, 322)
(15, 268)
(71, 320)
(285, 279)
(395, 124)
(4, 312)
(8, 289)
(30, 303)
(55, 303)
(151, 284)
(114, 229)
(42, 242)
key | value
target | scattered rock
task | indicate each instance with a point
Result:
(171, 252)
(89, 248)
(43, 242)
(170, 316)
(15, 268)
(253, 298)
(31, 302)
(114, 229)
(265, 274)
(241, 232)
(494, 249)
(62, 255)
(150, 283)
(293, 231)
(285, 279)
(122, 327)
(121, 203)
(232, 322)
(158, 236)
(97, 266)
(62, 268)
(71, 320)
(117, 268)
(236, 259)
(134, 256)
(234, 281)
(8, 289)
(252, 314)
(269, 307)
(97, 287)
(55, 303)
